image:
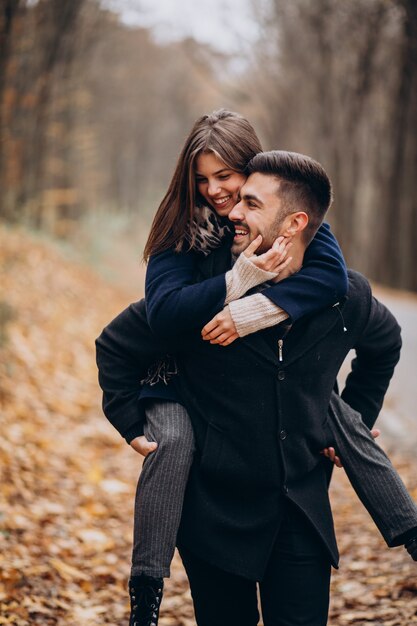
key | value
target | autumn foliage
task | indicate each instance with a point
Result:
(68, 480)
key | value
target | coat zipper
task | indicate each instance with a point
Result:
(280, 349)
(284, 465)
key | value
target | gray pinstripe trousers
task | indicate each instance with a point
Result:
(371, 473)
(161, 486)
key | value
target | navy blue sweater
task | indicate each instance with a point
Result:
(176, 304)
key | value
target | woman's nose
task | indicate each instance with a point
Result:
(213, 187)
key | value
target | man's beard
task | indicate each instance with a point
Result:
(268, 236)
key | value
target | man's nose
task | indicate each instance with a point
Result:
(237, 214)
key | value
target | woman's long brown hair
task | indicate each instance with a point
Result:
(233, 140)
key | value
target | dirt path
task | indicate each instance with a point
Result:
(400, 416)
(398, 419)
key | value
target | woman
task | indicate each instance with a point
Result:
(192, 221)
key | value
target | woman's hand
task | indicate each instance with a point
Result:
(221, 329)
(143, 446)
(273, 260)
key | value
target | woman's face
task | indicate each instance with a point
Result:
(217, 183)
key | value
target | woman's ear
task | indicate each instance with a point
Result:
(295, 223)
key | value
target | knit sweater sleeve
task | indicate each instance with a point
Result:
(176, 303)
(321, 282)
(254, 313)
(243, 276)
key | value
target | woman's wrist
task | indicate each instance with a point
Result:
(243, 276)
(254, 313)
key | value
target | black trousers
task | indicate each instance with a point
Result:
(293, 592)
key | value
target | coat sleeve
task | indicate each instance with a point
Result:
(175, 303)
(377, 353)
(322, 281)
(125, 350)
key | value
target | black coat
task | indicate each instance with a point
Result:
(259, 422)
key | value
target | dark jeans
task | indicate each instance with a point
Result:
(294, 590)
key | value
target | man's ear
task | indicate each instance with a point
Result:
(294, 224)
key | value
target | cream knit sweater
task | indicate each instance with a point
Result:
(256, 311)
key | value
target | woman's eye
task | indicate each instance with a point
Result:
(200, 181)
(224, 176)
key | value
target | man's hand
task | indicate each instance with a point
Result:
(330, 453)
(143, 446)
(221, 329)
(274, 259)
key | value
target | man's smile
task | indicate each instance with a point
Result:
(240, 232)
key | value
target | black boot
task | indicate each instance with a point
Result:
(411, 547)
(145, 599)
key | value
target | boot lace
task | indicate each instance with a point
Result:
(145, 602)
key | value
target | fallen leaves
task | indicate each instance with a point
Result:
(68, 480)
(374, 585)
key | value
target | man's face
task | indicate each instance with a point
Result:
(258, 212)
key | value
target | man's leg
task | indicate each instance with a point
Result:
(295, 588)
(220, 599)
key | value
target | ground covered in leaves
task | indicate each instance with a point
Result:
(67, 479)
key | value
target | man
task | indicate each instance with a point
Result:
(257, 506)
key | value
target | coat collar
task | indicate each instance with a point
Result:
(302, 337)
(217, 262)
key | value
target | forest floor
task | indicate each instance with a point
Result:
(68, 480)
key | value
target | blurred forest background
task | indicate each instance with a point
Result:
(93, 113)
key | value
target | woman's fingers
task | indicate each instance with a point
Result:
(219, 331)
(211, 325)
(212, 335)
(221, 323)
(230, 340)
(281, 266)
(223, 337)
(271, 260)
(253, 246)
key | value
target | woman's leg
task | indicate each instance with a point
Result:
(371, 473)
(160, 490)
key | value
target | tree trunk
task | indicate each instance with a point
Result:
(8, 11)
(399, 216)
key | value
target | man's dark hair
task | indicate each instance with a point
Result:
(304, 184)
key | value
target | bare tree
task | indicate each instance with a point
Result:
(337, 80)
(399, 197)
(9, 10)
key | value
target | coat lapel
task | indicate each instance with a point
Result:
(308, 332)
(303, 336)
